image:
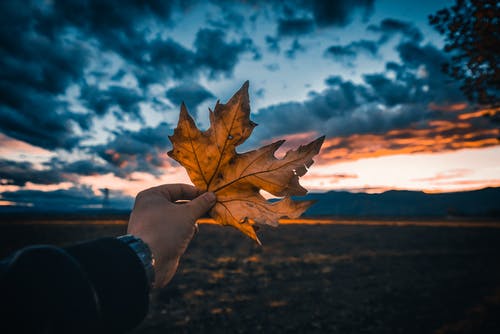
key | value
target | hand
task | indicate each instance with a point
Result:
(168, 227)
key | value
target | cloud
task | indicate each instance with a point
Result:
(273, 67)
(273, 44)
(20, 173)
(80, 197)
(128, 153)
(11, 148)
(116, 25)
(339, 13)
(124, 100)
(192, 94)
(302, 17)
(211, 53)
(455, 173)
(217, 55)
(42, 122)
(397, 101)
(137, 151)
(49, 47)
(391, 27)
(342, 108)
(34, 69)
(80, 167)
(347, 53)
(230, 17)
(162, 58)
(418, 79)
(295, 47)
(293, 18)
(391, 92)
(295, 26)
(431, 137)
(423, 68)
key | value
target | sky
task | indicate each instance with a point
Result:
(90, 91)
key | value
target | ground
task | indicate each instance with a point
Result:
(318, 279)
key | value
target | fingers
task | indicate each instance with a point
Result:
(201, 204)
(177, 191)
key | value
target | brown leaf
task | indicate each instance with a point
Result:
(213, 164)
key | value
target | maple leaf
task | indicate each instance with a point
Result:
(212, 163)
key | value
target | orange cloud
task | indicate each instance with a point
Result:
(322, 180)
(293, 141)
(136, 182)
(479, 113)
(438, 136)
(464, 185)
(11, 148)
(448, 107)
(446, 175)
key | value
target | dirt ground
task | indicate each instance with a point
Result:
(318, 279)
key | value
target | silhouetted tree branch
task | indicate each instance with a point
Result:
(472, 35)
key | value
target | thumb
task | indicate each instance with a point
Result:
(201, 204)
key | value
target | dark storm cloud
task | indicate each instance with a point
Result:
(123, 27)
(418, 80)
(382, 103)
(101, 101)
(41, 121)
(165, 57)
(229, 17)
(34, 69)
(192, 94)
(117, 25)
(273, 44)
(80, 197)
(390, 27)
(19, 173)
(53, 171)
(218, 56)
(302, 17)
(48, 47)
(295, 26)
(86, 167)
(347, 53)
(391, 92)
(423, 64)
(137, 151)
(339, 13)
(342, 108)
(130, 151)
(293, 18)
(211, 53)
(295, 47)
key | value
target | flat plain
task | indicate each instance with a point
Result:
(351, 277)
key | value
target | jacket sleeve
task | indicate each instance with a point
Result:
(97, 286)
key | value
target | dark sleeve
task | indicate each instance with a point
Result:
(93, 287)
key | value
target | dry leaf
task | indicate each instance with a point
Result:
(213, 164)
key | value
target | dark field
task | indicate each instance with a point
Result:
(318, 279)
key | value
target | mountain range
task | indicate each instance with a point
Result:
(398, 203)
(390, 204)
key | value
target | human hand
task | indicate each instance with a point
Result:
(168, 227)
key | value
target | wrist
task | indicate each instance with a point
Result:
(144, 254)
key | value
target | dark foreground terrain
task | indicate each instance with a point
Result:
(318, 279)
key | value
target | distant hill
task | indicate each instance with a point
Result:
(390, 204)
(394, 203)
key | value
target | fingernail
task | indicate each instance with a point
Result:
(209, 196)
